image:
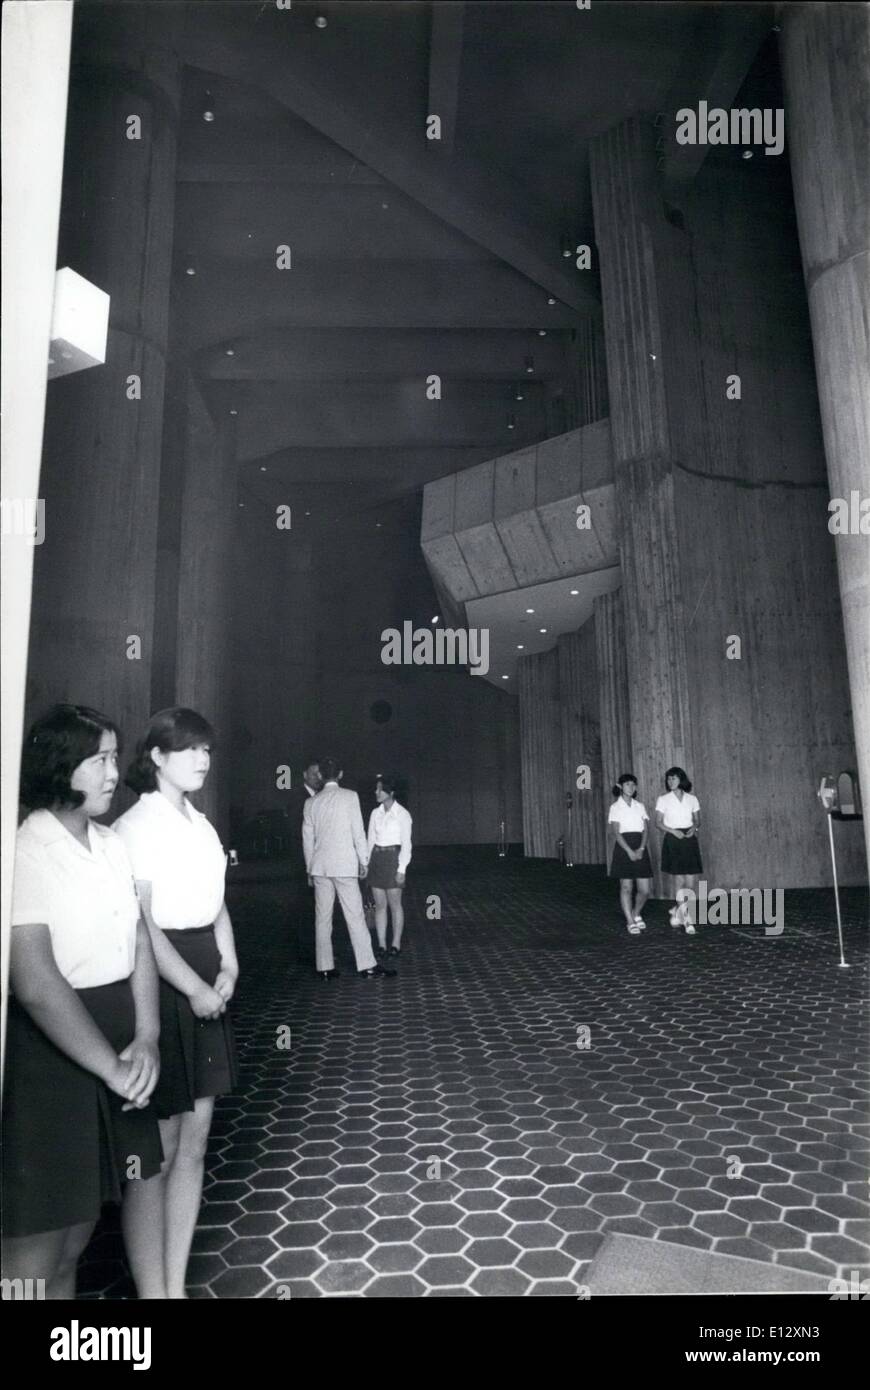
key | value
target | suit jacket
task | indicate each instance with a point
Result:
(297, 799)
(333, 836)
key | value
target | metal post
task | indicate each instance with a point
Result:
(843, 962)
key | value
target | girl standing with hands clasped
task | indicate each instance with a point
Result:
(678, 814)
(179, 867)
(81, 1044)
(628, 828)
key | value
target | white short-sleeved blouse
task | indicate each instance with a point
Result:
(677, 812)
(181, 858)
(628, 819)
(87, 899)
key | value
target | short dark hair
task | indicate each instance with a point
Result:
(55, 746)
(389, 784)
(623, 777)
(170, 730)
(310, 762)
(329, 769)
(685, 784)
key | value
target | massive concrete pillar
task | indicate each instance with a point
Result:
(612, 670)
(734, 639)
(581, 744)
(639, 372)
(826, 66)
(544, 814)
(202, 633)
(93, 607)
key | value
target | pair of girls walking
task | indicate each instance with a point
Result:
(678, 816)
(122, 965)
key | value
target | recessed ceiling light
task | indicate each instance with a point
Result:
(234, 412)
(208, 107)
(505, 678)
(262, 467)
(307, 513)
(321, 21)
(520, 647)
(435, 619)
(241, 504)
(574, 592)
(543, 629)
(231, 352)
(550, 299)
(190, 270)
(530, 610)
(542, 332)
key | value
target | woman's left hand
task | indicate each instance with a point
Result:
(144, 1056)
(225, 985)
(400, 880)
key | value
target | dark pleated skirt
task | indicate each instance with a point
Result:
(197, 1055)
(67, 1141)
(383, 866)
(681, 856)
(623, 867)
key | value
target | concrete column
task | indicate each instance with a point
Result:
(612, 689)
(625, 204)
(95, 573)
(826, 66)
(202, 631)
(544, 814)
(581, 744)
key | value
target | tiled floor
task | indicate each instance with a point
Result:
(447, 1133)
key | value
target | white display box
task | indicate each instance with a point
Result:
(79, 324)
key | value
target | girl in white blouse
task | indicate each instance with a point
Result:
(389, 857)
(179, 867)
(678, 814)
(81, 1055)
(628, 829)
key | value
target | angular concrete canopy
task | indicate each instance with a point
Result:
(537, 525)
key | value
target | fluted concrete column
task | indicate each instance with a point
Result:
(826, 65)
(612, 670)
(581, 744)
(207, 523)
(638, 371)
(95, 572)
(544, 816)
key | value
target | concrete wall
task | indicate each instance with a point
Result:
(306, 653)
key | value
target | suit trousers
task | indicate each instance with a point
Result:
(350, 898)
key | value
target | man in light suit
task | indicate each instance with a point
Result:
(336, 858)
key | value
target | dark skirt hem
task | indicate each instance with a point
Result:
(623, 867)
(68, 1144)
(197, 1055)
(681, 856)
(383, 867)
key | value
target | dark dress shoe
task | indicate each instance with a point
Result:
(378, 970)
(328, 974)
(394, 950)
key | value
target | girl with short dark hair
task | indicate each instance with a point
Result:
(82, 1060)
(678, 815)
(389, 856)
(180, 866)
(628, 829)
